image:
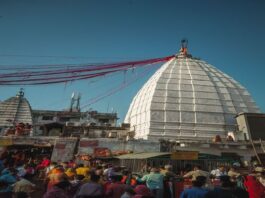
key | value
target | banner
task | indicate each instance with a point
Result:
(88, 143)
(42, 143)
(184, 155)
(22, 140)
(102, 152)
(63, 150)
(60, 146)
(5, 142)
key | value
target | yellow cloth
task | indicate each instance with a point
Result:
(70, 173)
(196, 173)
(233, 174)
(82, 171)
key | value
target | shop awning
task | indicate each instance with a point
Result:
(143, 155)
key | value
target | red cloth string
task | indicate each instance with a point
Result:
(66, 75)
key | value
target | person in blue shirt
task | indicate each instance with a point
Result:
(228, 189)
(155, 182)
(197, 190)
(8, 179)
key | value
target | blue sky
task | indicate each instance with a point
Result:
(227, 34)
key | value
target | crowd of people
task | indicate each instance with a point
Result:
(96, 179)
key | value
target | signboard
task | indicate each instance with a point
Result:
(256, 125)
(42, 143)
(87, 146)
(23, 141)
(63, 150)
(60, 146)
(88, 143)
(102, 152)
(184, 155)
(5, 142)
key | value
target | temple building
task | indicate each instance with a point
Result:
(15, 110)
(187, 98)
(18, 118)
(188, 110)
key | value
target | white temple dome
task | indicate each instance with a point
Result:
(188, 98)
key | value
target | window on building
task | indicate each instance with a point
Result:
(64, 119)
(103, 121)
(47, 117)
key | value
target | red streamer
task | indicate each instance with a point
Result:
(73, 74)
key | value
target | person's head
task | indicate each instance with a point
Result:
(63, 184)
(225, 181)
(45, 158)
(168, 167)
(53, 164)
(262, 174)
(79, 177)
(86, 164)
(125, 172)
(13, 171)
(155, 170)
(258, 169)
(116, 178)
(54, 170)
(99, 171)
(188, 167)
(116, 169)
(109, 165)
(26, 176)
(197, 167)
(64, 164)
(221, 168)
(70, 172)
(94, 178)
(162, 168)
(148, 169)
(74, 165)
(232, 168)
(80, 165)
(58, 168)
(236, 164)
(199, 182)
(130, 190)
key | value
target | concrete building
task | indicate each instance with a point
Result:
(17, 110)
(252, 126)
(50, 122)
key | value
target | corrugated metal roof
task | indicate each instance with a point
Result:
(142, 155)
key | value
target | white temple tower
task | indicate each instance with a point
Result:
(188, 98)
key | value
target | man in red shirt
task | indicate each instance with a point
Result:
(45, 163)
